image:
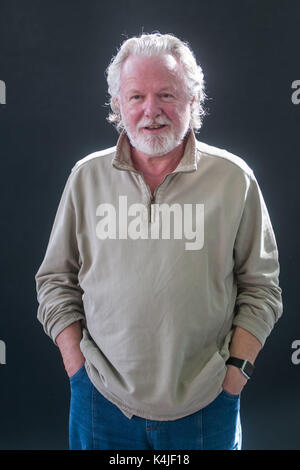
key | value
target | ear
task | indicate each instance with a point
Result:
(115, 104)
(192, 101)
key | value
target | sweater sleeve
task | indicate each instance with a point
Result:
(58, 291)
(259, 301)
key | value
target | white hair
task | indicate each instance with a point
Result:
(152, 45)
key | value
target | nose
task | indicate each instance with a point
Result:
(152, 107)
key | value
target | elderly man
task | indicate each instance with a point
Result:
(160, 280)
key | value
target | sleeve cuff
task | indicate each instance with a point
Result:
(256, 326)
(63, 323)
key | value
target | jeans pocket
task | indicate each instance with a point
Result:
(230, 395)
(77, 373)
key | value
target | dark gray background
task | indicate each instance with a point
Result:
(52, 58)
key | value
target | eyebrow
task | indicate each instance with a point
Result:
(134, 90)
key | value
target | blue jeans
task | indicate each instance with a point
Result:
(96, 423)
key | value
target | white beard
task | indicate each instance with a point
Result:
(157, 145)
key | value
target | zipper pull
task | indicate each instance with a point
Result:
(151, 216)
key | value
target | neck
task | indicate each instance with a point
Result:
(157, 166)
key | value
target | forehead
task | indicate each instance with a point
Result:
(163, 70)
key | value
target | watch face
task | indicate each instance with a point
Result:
(248, 369)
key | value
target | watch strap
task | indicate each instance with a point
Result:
(243, 364)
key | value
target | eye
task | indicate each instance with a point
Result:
(135, 97)
(167, 96)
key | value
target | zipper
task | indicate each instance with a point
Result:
(152, 201)
(152, 196)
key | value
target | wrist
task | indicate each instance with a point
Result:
(73, 361)
(236, 373)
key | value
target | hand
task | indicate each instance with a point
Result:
(234, 381)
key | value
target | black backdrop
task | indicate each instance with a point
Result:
(53, 55)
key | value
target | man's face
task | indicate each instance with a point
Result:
(154, 104)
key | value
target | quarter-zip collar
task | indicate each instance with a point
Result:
(122, 159)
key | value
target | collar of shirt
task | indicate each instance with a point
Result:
(122, 159)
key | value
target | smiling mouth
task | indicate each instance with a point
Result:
(156, 127)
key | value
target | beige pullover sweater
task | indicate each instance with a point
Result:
(160, 282)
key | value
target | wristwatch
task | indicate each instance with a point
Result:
(245, 366)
